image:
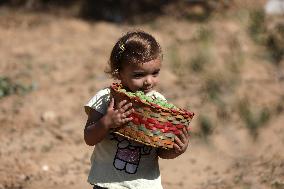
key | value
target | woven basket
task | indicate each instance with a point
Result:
(155, 122)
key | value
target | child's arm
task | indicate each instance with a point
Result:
(180, 146)
(98, 125)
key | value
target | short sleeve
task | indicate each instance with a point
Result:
(99, 102)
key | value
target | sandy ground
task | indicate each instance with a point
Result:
(41, 138)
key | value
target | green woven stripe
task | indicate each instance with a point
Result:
(142, 128)
(140, 94)
(156, 132)
(170, 135)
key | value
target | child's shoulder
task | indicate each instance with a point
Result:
(104, 91)
(99, 101)
(102, 94)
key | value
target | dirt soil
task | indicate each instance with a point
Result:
(63, 58)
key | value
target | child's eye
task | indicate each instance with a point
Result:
(138, 75)
(155, 74)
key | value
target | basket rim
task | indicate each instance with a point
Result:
(116, 86)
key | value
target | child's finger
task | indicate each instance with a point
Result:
(177, 148)
(128, 112)
(185, 132)
(182, 137)
(126, 120)
(122, 103)
(178, 142)
(126, 107)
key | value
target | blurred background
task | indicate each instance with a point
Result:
(223, 59)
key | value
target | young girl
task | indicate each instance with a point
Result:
(117, 162)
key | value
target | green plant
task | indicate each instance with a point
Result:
(212, 87)
(236, 55)
(202, 56)
(198, 62)
(277, 184)
(275, 42)
(253, 120)
(223, 111)
(279, 108)
(257, 26)
(264, 116)
(175, 61)
(8, 87)
(206, 126)
(204, 34)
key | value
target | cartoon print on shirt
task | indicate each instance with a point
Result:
(128, 155)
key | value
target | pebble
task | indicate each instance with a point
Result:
(45, 168)
(48, 116)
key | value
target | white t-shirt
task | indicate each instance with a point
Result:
(121, 163)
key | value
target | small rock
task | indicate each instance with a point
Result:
(24, 177)
(45, 168)
(48, 116)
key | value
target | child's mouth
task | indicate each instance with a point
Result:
(146, 90)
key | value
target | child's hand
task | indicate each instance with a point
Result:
(180, 146)
(181, 142)
(119, 116)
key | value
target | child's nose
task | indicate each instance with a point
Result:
(148, 81)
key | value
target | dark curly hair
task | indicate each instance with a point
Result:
(133, 47)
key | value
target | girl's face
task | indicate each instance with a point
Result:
(140, 77)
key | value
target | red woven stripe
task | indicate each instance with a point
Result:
(151, 120)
